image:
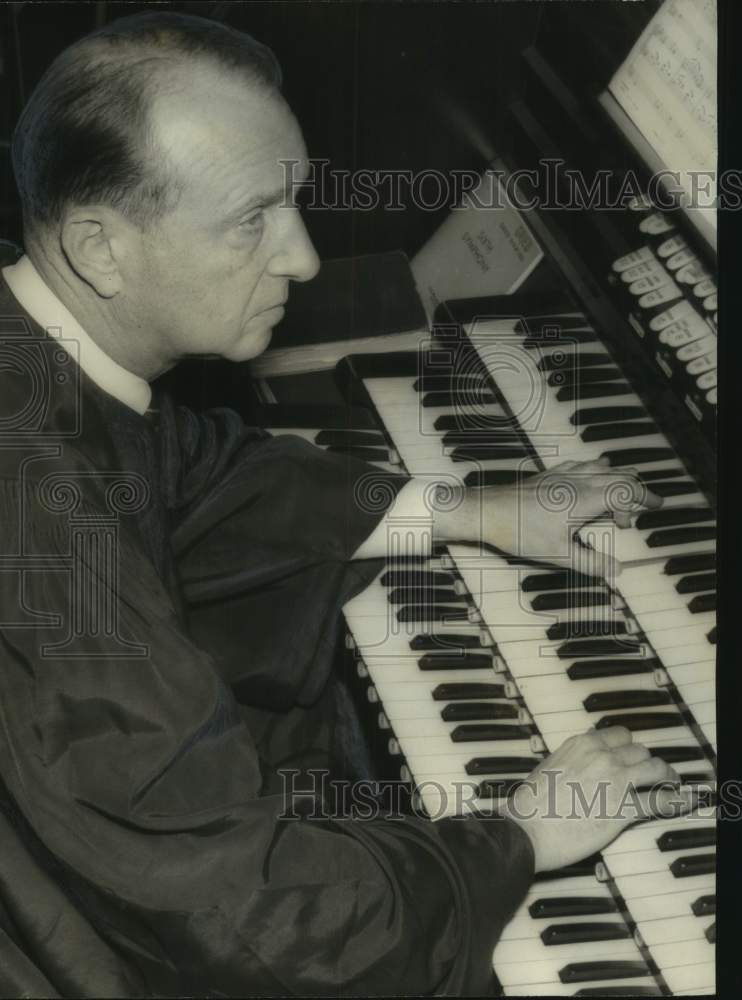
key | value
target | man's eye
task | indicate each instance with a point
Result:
(254, 221)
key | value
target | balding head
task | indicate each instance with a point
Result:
(87, 134)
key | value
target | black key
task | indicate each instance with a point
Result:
(653, 475)
(489, 731)
(473, 421)
(637, 456)
(469, 661)
(569, 393)
(606, 414)
(710, 933)
(642, 720)
(672, 516)
(698, 777)
(685, 840)
(497, 477)
(394, 364)
(673, 488)
(416, 578)
(463, 692)
(502, 765)
(484, 453)
(584, 376)
(425, 595)
(711, 636)
(432, 613)
(610, 432)
(471, 711)
(568, 360)
(588, 629)
(577, 870)
(677, 755)
(365, 454)
(455, 399)
(584, 972)
(560, 599)
(575, 648)
(681, 536)
(693, 563)
(447, 642)
(619, 991)
(607, 701)
(694, 864)
(434, 383)
(497, 788)
(701, 603)
(704, 906)
(344, 438)
(696, 584)
(571, 906)
(579, 933)
(588, 669)
(561, 580)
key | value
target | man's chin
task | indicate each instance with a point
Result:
(251, 345)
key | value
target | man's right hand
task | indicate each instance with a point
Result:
(566, 825)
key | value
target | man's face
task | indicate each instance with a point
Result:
(211, 276)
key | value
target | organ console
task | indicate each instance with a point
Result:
(474, 665)
(479, 664)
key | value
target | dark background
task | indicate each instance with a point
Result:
(375, 86)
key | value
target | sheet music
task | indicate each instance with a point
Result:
(667, 86)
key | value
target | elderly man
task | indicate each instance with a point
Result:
(157, 572)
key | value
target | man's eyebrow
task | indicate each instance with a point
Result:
(260, 200)
(276, 196)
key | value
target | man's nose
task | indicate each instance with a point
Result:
(296, 257)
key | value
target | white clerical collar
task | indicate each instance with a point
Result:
(44, 307)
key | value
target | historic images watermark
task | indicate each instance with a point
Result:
(551, 185)
(317, 795)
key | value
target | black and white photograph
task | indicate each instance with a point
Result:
(359, 479)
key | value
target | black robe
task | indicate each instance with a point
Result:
(146, 580)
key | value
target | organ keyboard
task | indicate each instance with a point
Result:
(480, 664)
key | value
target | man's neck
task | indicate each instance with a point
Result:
(127, 344)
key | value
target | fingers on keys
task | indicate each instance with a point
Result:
(630, 493)
(632, 753)
(613, 736)
(624, 490)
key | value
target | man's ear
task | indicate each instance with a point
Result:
(91, 239)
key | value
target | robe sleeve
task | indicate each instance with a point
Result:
(264, 537)
(126, 755)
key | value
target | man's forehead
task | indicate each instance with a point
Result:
(219, 124)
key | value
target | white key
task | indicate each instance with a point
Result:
(673, 930)
(558, 989)
(692, 980)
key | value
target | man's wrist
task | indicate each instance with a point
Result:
(474, 519)
(529, 825)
